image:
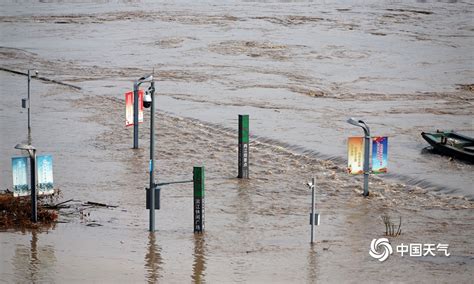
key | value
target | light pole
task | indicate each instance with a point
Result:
(149, 101)
(26, 103)
(34, 202)
(136, 85)
(366, 129)
(311, 186)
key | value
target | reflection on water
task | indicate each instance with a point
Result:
(312, 269)
(244, 204)
(199, 265)
(153, 261)
(34, 264)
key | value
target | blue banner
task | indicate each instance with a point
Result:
(379, 155)
(20, 176)
(45, 174)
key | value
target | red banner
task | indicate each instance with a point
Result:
(129, 107)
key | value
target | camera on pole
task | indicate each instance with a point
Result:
(147, 98)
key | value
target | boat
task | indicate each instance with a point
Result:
(451, 144)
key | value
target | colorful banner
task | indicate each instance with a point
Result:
(45, 174)
(129, 107)
(20, 176)
(379, 155)
(355, 155)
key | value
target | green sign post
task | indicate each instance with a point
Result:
(243, 146)
(198, 180)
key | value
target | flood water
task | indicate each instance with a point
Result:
(299, 69)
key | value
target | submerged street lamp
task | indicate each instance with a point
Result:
(153, 192)
(34, 202)
(313, 216)
(366, 129)
(136, 85)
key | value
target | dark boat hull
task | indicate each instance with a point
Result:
(456, 150)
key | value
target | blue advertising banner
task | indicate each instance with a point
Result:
(20, 176)
(379, 155)
(45, 174)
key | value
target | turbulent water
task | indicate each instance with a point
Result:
(299, 69)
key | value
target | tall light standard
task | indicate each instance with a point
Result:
(366, 129)
(26, 103)
(34, 202)
(312, 219)
(149, 101)
(136, 85)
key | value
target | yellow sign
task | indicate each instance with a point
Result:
(355, 155)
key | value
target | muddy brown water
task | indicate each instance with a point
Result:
(300, 68)
(214, 62)
(256, 230)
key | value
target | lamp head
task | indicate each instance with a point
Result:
(147, 78)
(353, 121)
(24, 147)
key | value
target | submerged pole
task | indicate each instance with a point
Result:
(243, 171)
(135, 114)
(198, 181)
(366, 159)
(312, 209)
(152, 159)
(34, 199)
(29, 105)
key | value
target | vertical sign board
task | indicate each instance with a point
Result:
(198, 179)
(379, 155)
(20, 176)
(355, 155)
(129, 107)
(243, 146)
(45, 174)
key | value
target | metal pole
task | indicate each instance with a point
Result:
(34, 201)
(366, 159)
(29, 103)
(135, 114)
(152, 159)
(312, 209)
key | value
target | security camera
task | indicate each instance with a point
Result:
(310, 184)
(147, 100)
(36, 73)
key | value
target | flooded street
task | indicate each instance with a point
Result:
(299, 70)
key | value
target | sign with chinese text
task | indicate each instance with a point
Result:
(355, 155)
(129, 107)
(243, 148)
(20, 176)
(198, 180)
(45, 174)
(379, 154)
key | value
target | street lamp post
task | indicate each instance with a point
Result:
(152, 185)
(311, 185)
(27, 103)
(366, 129)
(34, 202)
(148, 101)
